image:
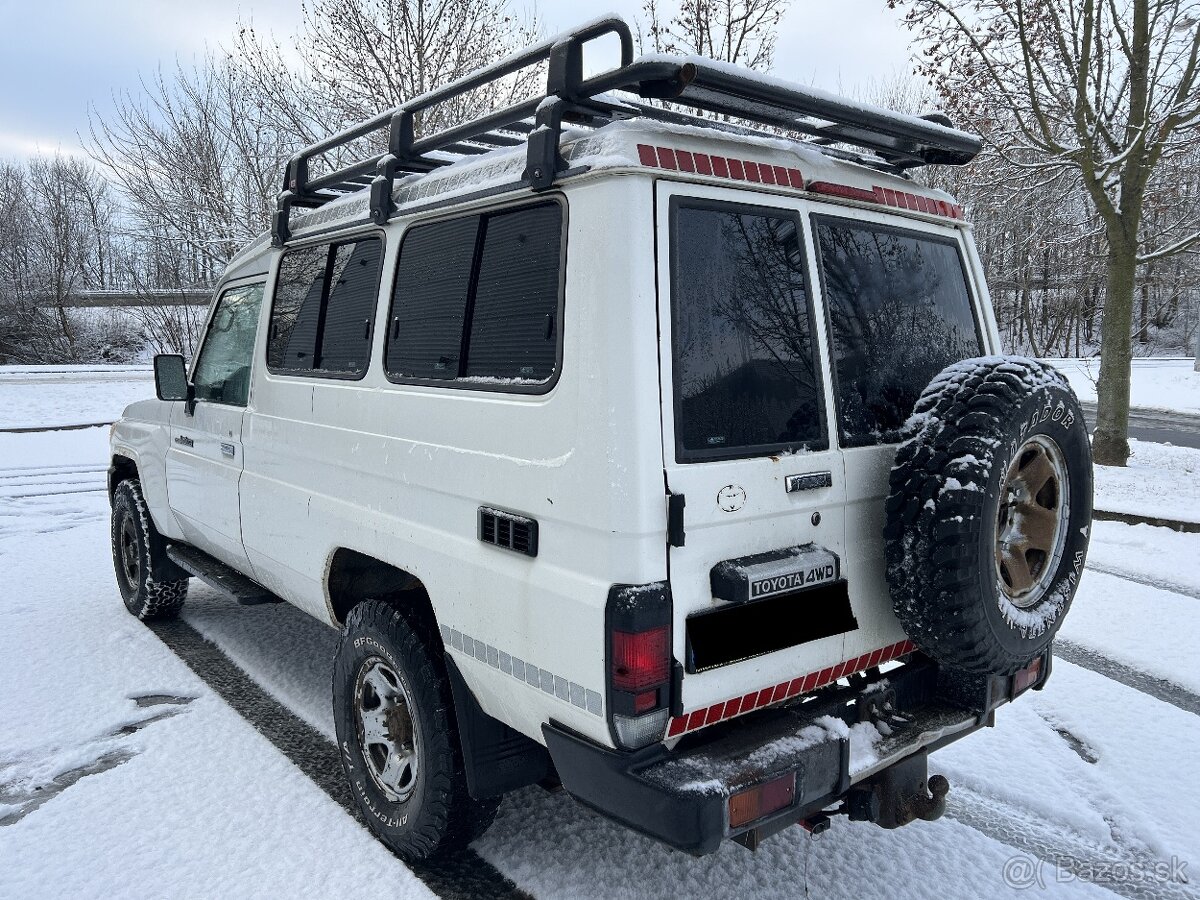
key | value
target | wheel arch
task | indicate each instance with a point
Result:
(121, 468)
(352, 577)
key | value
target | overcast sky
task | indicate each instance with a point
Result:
(58, 57)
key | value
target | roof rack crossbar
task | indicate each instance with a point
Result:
(895, 142)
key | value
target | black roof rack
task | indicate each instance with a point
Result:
(897, 141)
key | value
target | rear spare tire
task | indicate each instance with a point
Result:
(989, 513)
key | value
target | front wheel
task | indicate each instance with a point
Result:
(151, 585)
(398, 738)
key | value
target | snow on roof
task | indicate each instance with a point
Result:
(612, 147)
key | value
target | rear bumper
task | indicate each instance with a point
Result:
(681, 796)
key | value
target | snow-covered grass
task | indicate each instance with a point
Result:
(199, 803)
(1160, 481)
(1170, 385)
(33, 396)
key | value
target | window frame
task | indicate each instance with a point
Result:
(752, 451)
(458, 384)
(952, 239)
(330, 243)
(219, 295)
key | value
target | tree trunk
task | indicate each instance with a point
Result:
(1110, 443)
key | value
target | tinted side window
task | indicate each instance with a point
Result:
(476, 299)
(323, 308)
(429, 299)
(516, 301)
(296, 312)
(745, 380)
(899, 312)
(353, 286)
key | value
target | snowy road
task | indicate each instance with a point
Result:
(196, 760)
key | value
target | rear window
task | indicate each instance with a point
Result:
(745, 380)
(476, 300)
(899, 312)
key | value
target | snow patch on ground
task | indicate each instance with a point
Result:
(31, 396)
(1163, 384)
(1160, 481)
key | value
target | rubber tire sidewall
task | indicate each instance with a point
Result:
(156, 583)
(412, 827)
(1034, 417)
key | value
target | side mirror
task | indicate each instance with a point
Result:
(170, 377)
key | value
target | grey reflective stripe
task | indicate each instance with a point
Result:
(542, 679)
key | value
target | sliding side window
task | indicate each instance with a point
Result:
(476, 300)
(323, 309)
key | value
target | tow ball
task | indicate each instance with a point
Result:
(899, 794)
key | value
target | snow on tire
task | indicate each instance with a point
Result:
(989, 513)
(151, 585)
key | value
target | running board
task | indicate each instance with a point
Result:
(219, 576)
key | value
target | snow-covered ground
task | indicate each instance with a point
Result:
(1160, 481)
(123, 773)
(1155, 383)
(42, 396)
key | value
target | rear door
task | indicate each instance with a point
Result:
(204, 462)
(746, 441)
(900, 308)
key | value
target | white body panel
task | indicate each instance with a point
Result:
(398, 471)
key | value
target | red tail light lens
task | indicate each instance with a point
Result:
(641, 660)
(1027, 676)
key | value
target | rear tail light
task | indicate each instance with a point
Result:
(641, 660)
(761, 800)
(639, 663)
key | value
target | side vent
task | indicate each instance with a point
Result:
(508, 531)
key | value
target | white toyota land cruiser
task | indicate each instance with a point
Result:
(664, 458)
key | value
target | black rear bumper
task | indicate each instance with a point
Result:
(681, 796)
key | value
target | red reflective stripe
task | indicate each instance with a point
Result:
(796, 179)
(767, 172)
(703, 164)
(781, 175)
(735, 169)
(685, 161)
(787, 689)
(666, 157)
(720, 167)
(751, 171)
(647, 155)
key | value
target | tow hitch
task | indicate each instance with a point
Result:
(899, 794)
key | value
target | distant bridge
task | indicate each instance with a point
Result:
(149, 297)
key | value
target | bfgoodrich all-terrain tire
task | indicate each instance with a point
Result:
(989, 513)
(398, 736)
(151, 585)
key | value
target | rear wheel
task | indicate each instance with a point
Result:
(989, 514)
(398, 736)
(151, 585)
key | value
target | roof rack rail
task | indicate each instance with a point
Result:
(897, 141)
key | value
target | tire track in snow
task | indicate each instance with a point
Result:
(1063, 855)
(463, 876)
(1159, 688)
(1163, 585)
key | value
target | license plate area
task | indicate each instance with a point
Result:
(736, 632)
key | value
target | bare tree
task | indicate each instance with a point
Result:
(1106, 90)
(735, 31)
